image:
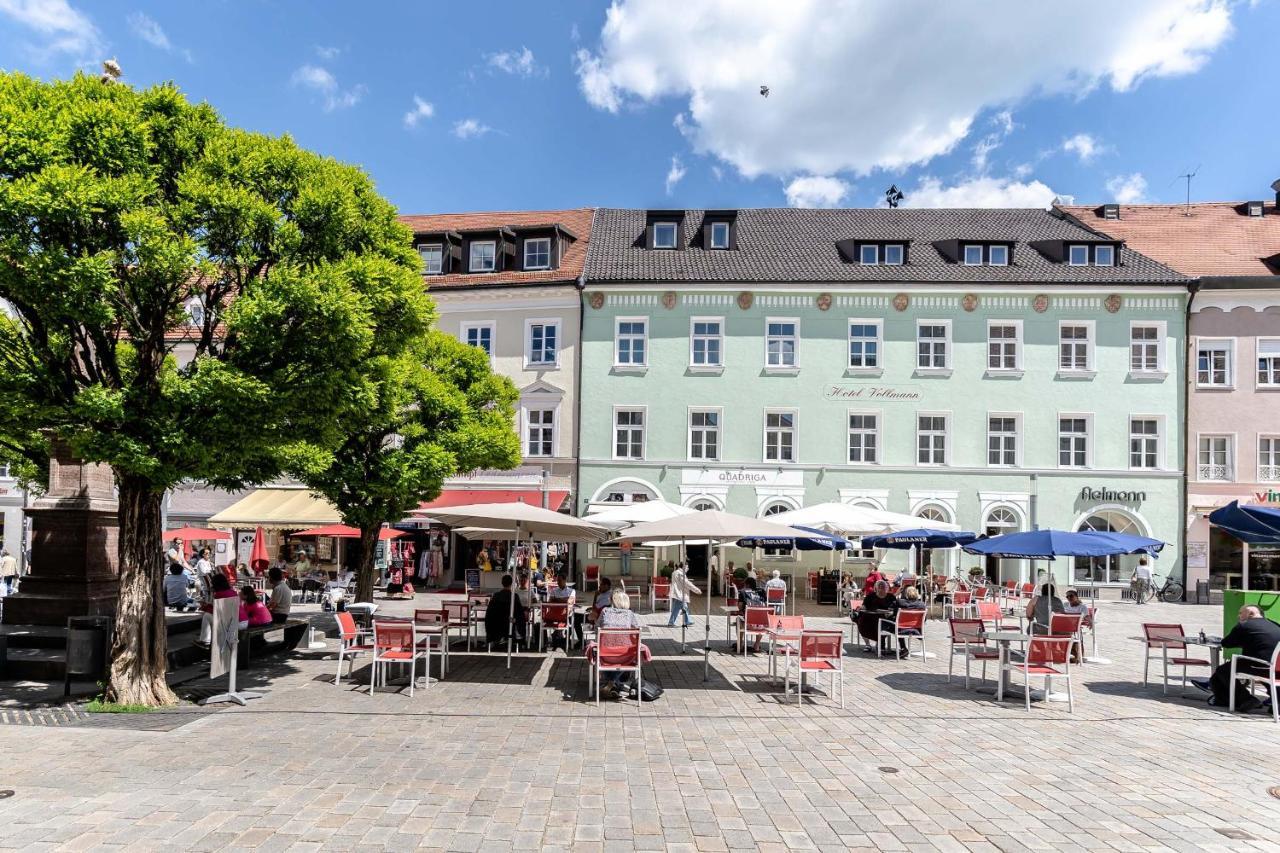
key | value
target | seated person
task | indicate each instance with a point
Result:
(749, 596)
(176, 593)
(873, 577)
(281, 597)
(253, 611)
(221, 588)
(1073, 604)
(562, 593)
(618, 615)
(603, 597)
(879, 604)
(775, 582)
(909, 600)
(1041, 606)
(313, 582)
(499, 620)
(1256, 637)
(243, 575)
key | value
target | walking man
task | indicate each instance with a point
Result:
(681, 587)
(8, 571)
(1141, 580)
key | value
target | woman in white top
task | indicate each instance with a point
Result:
(617, 615)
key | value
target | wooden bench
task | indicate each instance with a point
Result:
(294, 630)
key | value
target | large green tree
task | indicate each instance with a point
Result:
(121, 211)
(437, 409)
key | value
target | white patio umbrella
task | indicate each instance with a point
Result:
(714, 526)
(523, 521)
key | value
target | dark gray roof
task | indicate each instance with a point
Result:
(799, 245)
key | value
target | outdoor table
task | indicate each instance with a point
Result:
(1213, 644)
(730, 614)
(783, 636)
(1005, 687)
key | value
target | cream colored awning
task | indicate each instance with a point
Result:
(281, 509)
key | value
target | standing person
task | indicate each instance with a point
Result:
(873, 577)
(281, 597)
(1256, 637)
(8, 571)
(1141, 580)
(174, 554)
(678, 597)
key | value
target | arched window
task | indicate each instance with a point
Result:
(1107, 569)
(702, 506)
(773, 509)
(628, 492)
(1000, 520)
(934, 513)
(934, 560)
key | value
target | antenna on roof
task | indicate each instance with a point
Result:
(1187, 177)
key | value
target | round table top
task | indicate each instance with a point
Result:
(1005, 636)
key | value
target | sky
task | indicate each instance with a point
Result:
(660, 103)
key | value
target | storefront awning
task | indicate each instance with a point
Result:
(280, 509)
(464, 497)
(1206, 503)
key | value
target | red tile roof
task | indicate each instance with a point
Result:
(577, 221)
(1207, 239)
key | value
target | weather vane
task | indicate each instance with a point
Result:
(893, 195)
(764, 91)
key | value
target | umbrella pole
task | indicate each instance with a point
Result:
(706, 628)
(684, 567)
(515, 590)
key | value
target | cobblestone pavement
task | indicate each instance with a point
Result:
(497, 759)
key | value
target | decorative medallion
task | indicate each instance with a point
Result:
(824, 301)
(1112, 303)
(969, 302)
(901, 301)
(745, 300)
(669, 300)
(596, 300)
(1040, 304)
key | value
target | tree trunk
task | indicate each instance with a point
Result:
(368, 551)
(139, 652)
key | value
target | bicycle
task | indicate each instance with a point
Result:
(1170, 591)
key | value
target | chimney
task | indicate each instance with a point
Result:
(1111, 211)
(1275, 185)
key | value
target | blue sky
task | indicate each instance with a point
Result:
(656, 103)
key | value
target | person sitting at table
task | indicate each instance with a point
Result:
(1041, 606)
(562, 593)
(175, 589)
(876, 605)
(909, 600)
(775, 581)
(1073, 604)
(603, 596)
(252, 609)
(749, 596)
(1256, 637)
(498, 618)
(281, 597)
(618, 615)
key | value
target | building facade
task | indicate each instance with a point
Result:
(1232, 249)
(994, 369)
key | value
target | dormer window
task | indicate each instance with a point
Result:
(432, 255)
(1111, 211)
(483, 256)
(1254, 208)
(1104, 256)
(537, 253)
(893, 254)
(972, 255)
(998, 256)
(1078, 256)
(719, 235)
(664, 235)
(869, 255)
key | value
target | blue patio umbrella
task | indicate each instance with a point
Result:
(1257, 525)
(820, 540)
(1133, 544)
(1050, 544)
(921, 537)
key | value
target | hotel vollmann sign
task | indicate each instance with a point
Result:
(855, 392)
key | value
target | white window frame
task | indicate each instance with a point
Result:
(471, 255)
(964, 254)
(902, 254)
(719, 413)
(794, 431)
(1231, 470)
(782, 368)
(1257, 359)
(1269, 472)
(949, 348)
(1213, 343)
(644, 431)
(1161, 329)
(618, 363)
(1016, 417)
(718, 337)
(529, 242)
(716, 244)
(1107, 248)
(876, 369)
(874, 250)
(439, 247)
(1017, 347)
(1160, 439)
(991, 261)
(525, 424)
(1087, 417)
(877, 434)
(675, 234)
(1071, 249)
(529, 363)
(1091, 338)
(466, 328)
(946, 439)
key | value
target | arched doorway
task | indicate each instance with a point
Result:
(1000, 520)
(938, 561)
(1112, 570)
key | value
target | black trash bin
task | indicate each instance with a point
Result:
(1202, 592)
(87, 641)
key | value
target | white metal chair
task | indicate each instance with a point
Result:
(1255, 675)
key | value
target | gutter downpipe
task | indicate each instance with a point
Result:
(1192, 289)
(580, 287)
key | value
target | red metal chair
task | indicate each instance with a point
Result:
(352, 641)
(958, 602)
(990, 612)
(819, 652)
(395, 642)
(776, 597)
(1167, 638)
(966, 635)
(755, 621)
(980, 593)
(1046, 656)
(591, 579)
(659, 590)
(906, 625)
(459, 613)
(1258, 671)
(433, 630)
(615, 650)
(811, 585)
(1068, 625)
(555, 617)
(790, 628)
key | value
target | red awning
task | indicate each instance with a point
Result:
(342, 531)
(464, 497)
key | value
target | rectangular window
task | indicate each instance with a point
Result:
(1078, 256)
(1144, 443)
(869, 255)
(864, 344)
(864, 438)
(1213, 364)
(544, 343)
(1269, 362)
(998, 256)
(1073, 442)
(719, 235)
(432, 255)
(537, 253)
(706, 342)
(483, 256)
(781, 343)
(1144, 347)
(932, 345)
(479, 335)
(1215, 458)
(630, 339)
(1104, 256)
(893, 254)
(540, 434)
(1002, 345)
(664, 235)
(780, 436)
(628, 434)
(1268, 458)
(1073, 346)
(931, 439)
(704, 435)
(4, 470)
(1002, 441)
(973, 255)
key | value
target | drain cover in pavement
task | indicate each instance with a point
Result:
(6, 794)
(1237, 834)
(887, 769)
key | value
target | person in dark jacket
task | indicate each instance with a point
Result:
(879, 604)
(498, 613)
(1256, 637)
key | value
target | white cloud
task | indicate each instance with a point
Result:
(470, 128)
(1083, 145)
(421, 110)
(322, 82)
(149, 30)
(518, 62)
(982, 149)
(674, 174)
(62, 29)
(327, 52)
(1128, 189)
(713, 56)
(816, 191)
(981, 191)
